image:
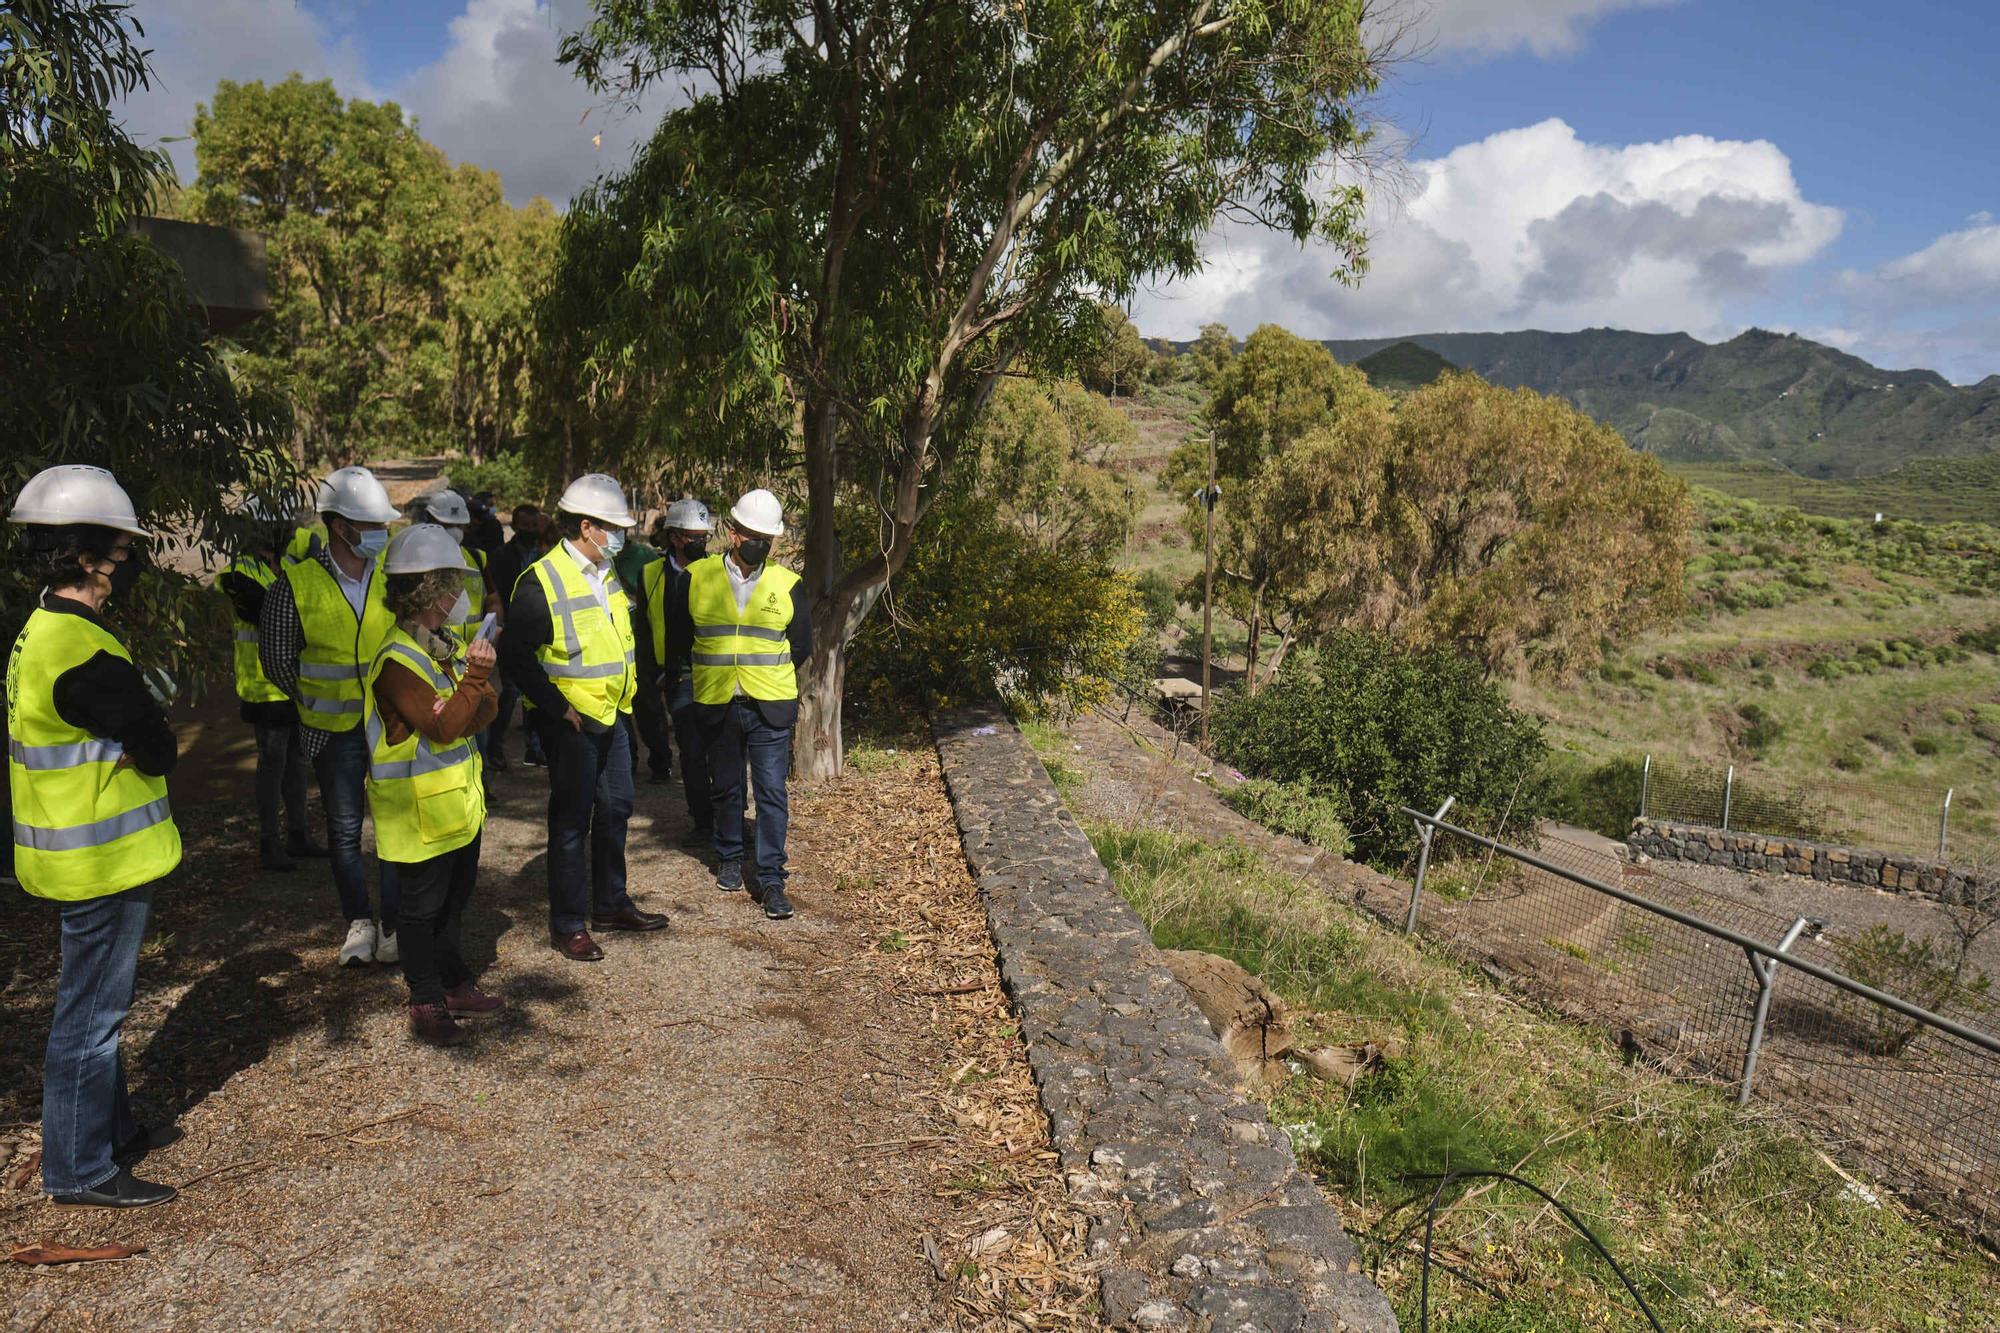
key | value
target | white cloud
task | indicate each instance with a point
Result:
(1531, 227)
(1933, 307)
(1960, 267)
(1545, 28)
(494, 96)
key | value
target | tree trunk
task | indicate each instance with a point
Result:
(1256, 641)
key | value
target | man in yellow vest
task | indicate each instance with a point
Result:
(743, 622)
(569, 650)
(320, 628)
(89, 750)
(281, 762)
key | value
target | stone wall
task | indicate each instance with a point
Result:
(1755, 851)
(1200, 1213)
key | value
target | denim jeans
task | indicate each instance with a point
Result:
(281, 776)
(85, 1110)
(590, 802)
(744, 737)
(692, 738)
(435, 893)
(343, 788)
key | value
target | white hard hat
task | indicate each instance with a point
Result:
(448, 507)
(75, 493)
(353, 493)
(597, 496)
(689, 516)
(420, 548)
(759, 512)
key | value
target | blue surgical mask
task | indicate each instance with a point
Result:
(371, 543)
(614, 542)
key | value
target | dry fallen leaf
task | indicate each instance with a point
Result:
(53, 1253)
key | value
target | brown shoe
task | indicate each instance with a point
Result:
(577, 946)
(433, 1023)
(629, 917)
(468, 1001)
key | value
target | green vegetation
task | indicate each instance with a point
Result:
(1728, 1220)
(1930, 490)
(1402, 367)
(1602, 797)
(1296, 809)
(1374, 728)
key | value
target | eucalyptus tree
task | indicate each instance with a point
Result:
(864, 213)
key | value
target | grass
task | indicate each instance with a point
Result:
(1935, 490)
(1727, 1218)
(1054, 749)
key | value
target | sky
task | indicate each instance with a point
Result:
(1818, 166)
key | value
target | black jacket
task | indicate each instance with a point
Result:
(680, 642)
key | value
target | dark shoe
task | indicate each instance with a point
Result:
(468, 1001)
(729, 876)
(302, 845)
(696, 838)
(629, 917)
(272, 853)
(776, 905)
(123, 1190)
(498, 762)
(535, 759)
(433, 1023)
(133, 1151)
(661, 775)
(578, 947)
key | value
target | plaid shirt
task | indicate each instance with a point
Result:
(281, 635)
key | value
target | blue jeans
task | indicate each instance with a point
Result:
(590, 802)
(342, 768)
(744, 737)
(85, 1110)
(281, 775)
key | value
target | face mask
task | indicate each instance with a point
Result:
(457, 535)
(124, 573)
(614, 542)
(461, 611)
(693, 551)
(753, 551)
(371, 543)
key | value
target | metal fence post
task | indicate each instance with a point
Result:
(1424, 834)
(1645, 785)
(1728, 791)
(1765, 970)
(1944, 821)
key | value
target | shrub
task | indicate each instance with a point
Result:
(508, 476)
(1295, 809)
(1923, 971)
(1986, 640)
(1761, 730)
(1852, 759)
(1924, 745)
(1602, 797)
(1381, 728)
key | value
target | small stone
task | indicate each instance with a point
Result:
(1159, 1314)
(1190, 1266)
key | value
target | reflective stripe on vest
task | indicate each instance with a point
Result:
(84, 826)
(424, 801)
(732, 647)
(590, 654)
(337, 651)
(252, 685)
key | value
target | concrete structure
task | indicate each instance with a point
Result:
(226, 270)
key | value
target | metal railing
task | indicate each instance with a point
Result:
(1879, 816)
(1710, 985)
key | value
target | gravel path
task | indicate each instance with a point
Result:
(739, 1124)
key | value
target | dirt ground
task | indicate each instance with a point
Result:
(825, 1123)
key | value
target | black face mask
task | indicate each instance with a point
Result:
(692, 551)
(124, 573)
(753, 551)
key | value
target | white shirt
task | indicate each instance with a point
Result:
(741, 584)
(593, 575)
(356, 590)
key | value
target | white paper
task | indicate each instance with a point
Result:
(488, 629)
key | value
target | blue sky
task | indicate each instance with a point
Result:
(1656, 164)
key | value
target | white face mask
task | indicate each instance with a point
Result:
(461, 611)
(457, 535)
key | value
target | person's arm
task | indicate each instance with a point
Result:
(529, 628)
(245, 594)
(409, 704)
(642, 636)
(680, 631)
(280, 636)
(107, 697)
(799, 634)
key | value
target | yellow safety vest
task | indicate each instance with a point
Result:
(425, 800)
(84, 827)
(338, 649)
(746, 647)
(305, 543)
(475, 593)
(655, 581)
(589, 654)
(252, 685)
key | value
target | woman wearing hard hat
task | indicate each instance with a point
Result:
(425, 707)
(88, 754)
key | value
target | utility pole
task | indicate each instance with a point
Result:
(1209, 495)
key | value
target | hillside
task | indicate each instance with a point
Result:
(1760, 397)
(1403, 366)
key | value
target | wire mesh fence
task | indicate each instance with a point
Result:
(1897, 1097)
(1881, 816)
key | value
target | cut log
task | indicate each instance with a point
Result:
(1344, 1064)
(1248, 1018)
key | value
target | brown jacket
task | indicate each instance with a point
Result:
(409, 704)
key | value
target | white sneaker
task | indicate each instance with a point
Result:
(360, 945)
(387, 950)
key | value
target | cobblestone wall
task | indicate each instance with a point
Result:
(1755, 851)
(1201, 1215)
